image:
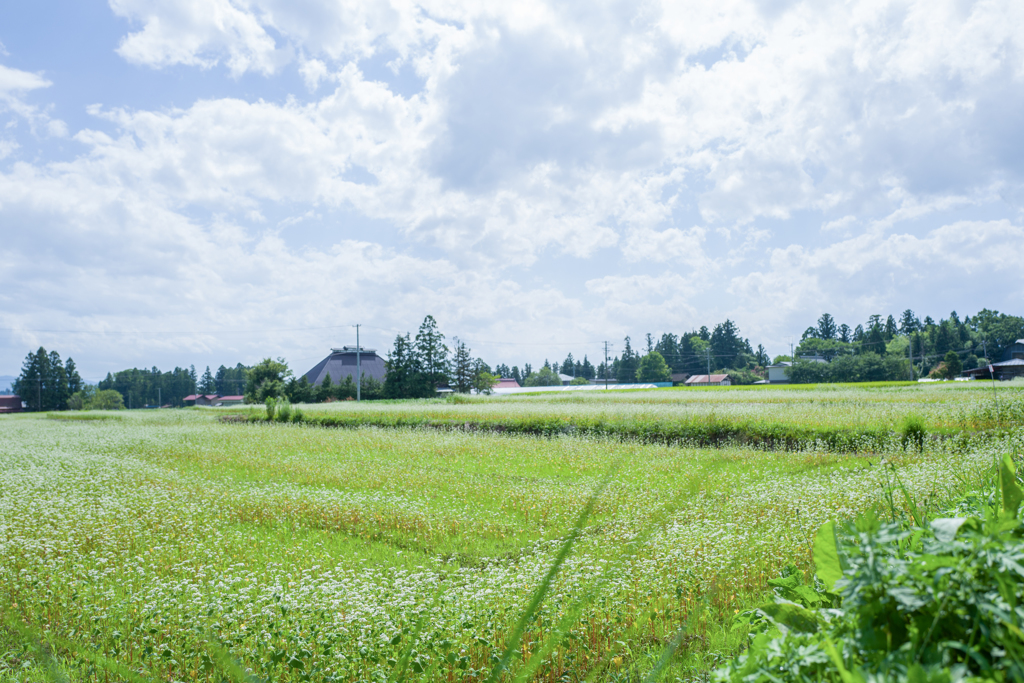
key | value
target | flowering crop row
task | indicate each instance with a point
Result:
(844, 419)
(161, 539)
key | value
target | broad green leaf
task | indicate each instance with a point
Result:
(792, 616)
(946, 528)
(826, 555)
(785, 582)
(1012, 495)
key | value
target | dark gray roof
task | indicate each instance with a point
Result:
(342, 362)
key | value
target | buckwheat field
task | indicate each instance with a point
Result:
(552, 537)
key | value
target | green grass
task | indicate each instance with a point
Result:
(312, 554)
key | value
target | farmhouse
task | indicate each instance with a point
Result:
(1014, 351)
(213, 400)
(10, 403)
(709, 381)
(506, 383)
(779, 372)
(1008, 369)
(341, 363)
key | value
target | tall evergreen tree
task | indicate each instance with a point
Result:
(845, 334)
(403, 378)
(207, 385)
(826, 327)
(55, 386)
(218, 380)
(762, 356)
(432, 354)
(628, 363)
(726, 344)
(875, 342)
(75, 383)
(586, 369)
(909, 322)
(463, 368)
(890, 329)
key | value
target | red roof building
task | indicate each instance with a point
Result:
(506, 383)
(10, 404)
(709, 381)
(213, 400)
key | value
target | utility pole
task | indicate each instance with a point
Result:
(359, 368)
(606, 365)
(707, 353)
(159, 398)
(991, 370)
(910, 353)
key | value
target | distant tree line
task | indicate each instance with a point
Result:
(720, 350)
(882, 348)
(890, 348)
(902, 349)
(150, 387)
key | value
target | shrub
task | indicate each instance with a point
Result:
(929, 602)
(913, 431)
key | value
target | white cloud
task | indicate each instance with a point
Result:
(313, 71)
(197, 33)
(14, 86)
(823, 154)
(672, 244)
(874, 272)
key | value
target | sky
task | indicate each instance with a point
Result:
(218, 181)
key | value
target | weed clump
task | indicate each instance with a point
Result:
(913, 432)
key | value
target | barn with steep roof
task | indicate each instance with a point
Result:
(341, 363)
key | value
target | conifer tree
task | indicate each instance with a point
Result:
(207, 385)
(75, 383)
(628, 363)
(463, 370)
(55, 384)
(432, 355)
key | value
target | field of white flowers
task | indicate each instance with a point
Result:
(169, 545)
(943, 407)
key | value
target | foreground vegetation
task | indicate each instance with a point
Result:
(172, 544)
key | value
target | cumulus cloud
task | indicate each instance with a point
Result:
(15, 86)
(723, 159)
